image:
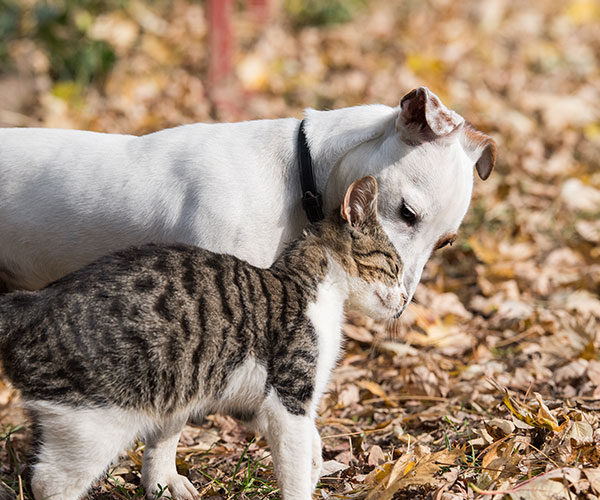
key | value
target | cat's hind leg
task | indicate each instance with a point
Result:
(76, 446)
(159, 470)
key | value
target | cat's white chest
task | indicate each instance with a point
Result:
(326, 314)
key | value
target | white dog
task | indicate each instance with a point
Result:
(68, 197)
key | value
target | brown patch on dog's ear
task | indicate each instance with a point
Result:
(360, 202)
(446, 239)
(481, 146)
(423, 117)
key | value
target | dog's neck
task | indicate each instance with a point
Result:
(332, 134)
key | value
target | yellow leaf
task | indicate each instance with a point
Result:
(68, 91)
(420, 471)
(373, 388)
(592, 131)
(483, 253)
(410, 466)
(544, 416)
(136, 458)
(420, 64)
(589, 352)
(381, 472)
(583, 11)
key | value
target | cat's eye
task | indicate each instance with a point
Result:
(407, 214)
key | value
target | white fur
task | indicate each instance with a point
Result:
(78, 445)
(67, 197)
(377, 300)
(245, 388)
(291, 440)
(159, 470)
(326, 314)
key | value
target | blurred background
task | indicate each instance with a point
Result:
(516, 298)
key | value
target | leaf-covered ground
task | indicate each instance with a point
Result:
(489, 386)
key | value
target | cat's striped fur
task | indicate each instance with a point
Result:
(136, 342)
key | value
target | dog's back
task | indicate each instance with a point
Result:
(68, 197)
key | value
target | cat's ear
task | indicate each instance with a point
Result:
(360, 202)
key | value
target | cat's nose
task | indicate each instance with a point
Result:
(403, 303)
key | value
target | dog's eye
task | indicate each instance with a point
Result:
(407, 214)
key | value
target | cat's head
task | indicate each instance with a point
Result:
(366, 254)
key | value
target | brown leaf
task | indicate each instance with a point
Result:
(376, 456)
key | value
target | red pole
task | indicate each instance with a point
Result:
(219, 14)
(260, 10)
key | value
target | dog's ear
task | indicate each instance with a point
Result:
(479, 147)
(423, 117)
(360, 202)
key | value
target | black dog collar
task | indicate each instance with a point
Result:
(311, 198)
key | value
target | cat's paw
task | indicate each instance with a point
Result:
(180, 488)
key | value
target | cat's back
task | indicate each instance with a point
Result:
(132, 270)
(111, 288)
(108, 330)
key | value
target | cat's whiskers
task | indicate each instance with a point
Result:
(392, 328)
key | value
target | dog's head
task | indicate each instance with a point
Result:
(423, 161)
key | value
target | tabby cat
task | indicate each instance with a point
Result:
(139, 341)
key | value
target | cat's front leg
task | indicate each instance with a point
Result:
(159, 470)
(317, 457)
(291, 440)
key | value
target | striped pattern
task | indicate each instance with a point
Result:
(162, 327)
